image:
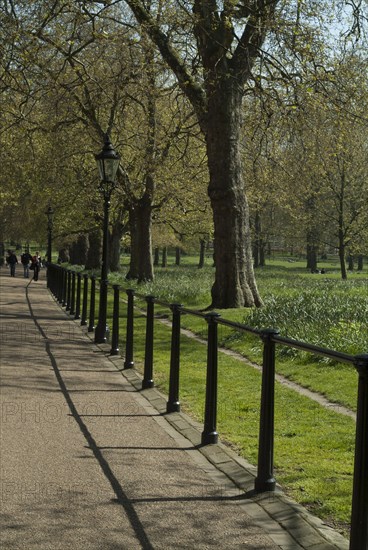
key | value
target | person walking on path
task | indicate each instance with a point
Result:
(25, 259)
(11, 260)
(35, 266)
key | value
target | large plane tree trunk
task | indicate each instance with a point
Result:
(141, 263)
(226, 58)
(235, 284)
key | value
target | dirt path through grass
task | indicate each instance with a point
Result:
(315, 396)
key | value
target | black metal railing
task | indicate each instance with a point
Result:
(62, 285)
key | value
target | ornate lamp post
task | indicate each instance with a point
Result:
(108, 164)
(50, 224)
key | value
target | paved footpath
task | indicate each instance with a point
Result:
(89, 461)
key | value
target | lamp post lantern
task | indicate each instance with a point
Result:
(108, 164)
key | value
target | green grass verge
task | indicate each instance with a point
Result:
(319, 309)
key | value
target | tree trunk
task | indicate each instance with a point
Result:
(235, 284)
(202, 252)
(164, 257)
(140, 209)
(256, 254)
(342, 255)
(83, 246)
(95, 250)
(360, 262)
(341, 236)
(350, 262)
(257, 239)
(218, 106)
(64, 255)
(114, 251)
(73, 253)
(262, 253)
(141, 265)
(311, 251)
(177, 255)
(311, 257)
(118, 230)
(134, 246)
(156, 260)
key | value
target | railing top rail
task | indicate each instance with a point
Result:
(304, 346)
(239, 326)
(141, 296)
(282, 340)
(193, 312)
(162, 303)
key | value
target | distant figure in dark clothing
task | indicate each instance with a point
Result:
(35, 266)
(11, 260)
(25, 259)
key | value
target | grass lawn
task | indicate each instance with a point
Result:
(314, 447)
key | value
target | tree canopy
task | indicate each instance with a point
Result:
(272, 95)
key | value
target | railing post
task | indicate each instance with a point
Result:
(173, 403)
(91, 325)
(69, 290)
(209, 434)
(57, 282)
(54, 279)
(78, 298)
(49, 277)
(115, 322)
(50, 274)
(55, 269)
(147, 381)
(85, 300)
(64, 289)
(72, 300)
(359, 511)
(265, 480)
(60, 284)
(129, 363)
